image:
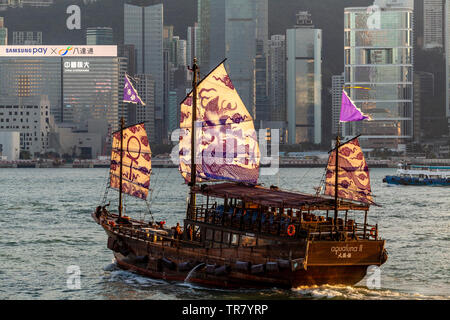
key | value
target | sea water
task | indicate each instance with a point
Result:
(50, 248)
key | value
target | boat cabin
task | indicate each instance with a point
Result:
(230, 214)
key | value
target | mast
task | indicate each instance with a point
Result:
(121, 165)
(336, 181)
(193, 135)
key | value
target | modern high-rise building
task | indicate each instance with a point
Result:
(433, 24)
(261, 83)
(143, 26)
(99, 36)
(337, 85)
(277, 77)
(192, 43)
(246, 21)
(27, 38)
(304, 81)
(211, 22)
(379, 56)
(447, 60)
(3, 33)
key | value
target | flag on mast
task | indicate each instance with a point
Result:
(130, 94)
(350, 112)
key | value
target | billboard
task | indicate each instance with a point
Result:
(65, 51)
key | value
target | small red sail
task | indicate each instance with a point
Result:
(353, 177)
(136, 161)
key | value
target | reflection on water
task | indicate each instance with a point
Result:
(46, 227)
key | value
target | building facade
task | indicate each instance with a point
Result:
(379, 56)
(337, 85)
(3, 33)
(246, 22)
(27, 38)
(304, 81)
(433, 24)
(277, 77)
(9, 144)
(30, 117)
(99, 36)
(144, 29)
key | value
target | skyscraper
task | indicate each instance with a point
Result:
(3, 33)
(379, 56)
(277, 77)
(27, 38)
(337, 83)
(99, 36)
(433, 23)
(211, 22)
(304, 81)
(245, 23)
(144, 29)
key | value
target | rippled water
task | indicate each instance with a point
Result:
(46, 226)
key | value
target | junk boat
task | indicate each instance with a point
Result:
(414, 175)
(236, 232)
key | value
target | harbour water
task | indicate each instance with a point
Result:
(46, 228)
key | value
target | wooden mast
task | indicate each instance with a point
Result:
(121, 166)
(193, 135)
(336, 180)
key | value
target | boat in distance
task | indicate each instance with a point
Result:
(236, 232)
(415, 175)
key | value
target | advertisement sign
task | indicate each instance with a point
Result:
(58, 51)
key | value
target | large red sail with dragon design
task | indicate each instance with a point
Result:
(136, 161)
(353, 177)
(226, 146)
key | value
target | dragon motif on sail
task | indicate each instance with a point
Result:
(353, 177)
(226, 142)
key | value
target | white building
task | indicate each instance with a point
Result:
(10, 145)
(378, 51)
(32, 120)
(304, 81)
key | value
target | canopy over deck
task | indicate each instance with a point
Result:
(274, 197)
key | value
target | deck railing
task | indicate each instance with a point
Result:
(317, 228)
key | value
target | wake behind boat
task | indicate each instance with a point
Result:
(237, 233)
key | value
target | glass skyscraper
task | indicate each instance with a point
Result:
(245, 23)
(379, 56)
(304, 81)
(144, 29)
(99, 36)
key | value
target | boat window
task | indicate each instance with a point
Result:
(226, 237)
(209, 234)
(218, 236)
(235, 239)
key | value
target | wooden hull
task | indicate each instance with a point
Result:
(315, 263)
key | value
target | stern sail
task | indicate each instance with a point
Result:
(353, 177)
(136, 161)
(226, 141)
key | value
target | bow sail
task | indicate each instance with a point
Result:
(353, 177)
(136, 161)
(226, 145)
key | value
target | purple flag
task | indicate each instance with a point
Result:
(130, 94)
(349, 112)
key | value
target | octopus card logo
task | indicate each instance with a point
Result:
(64, 51)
